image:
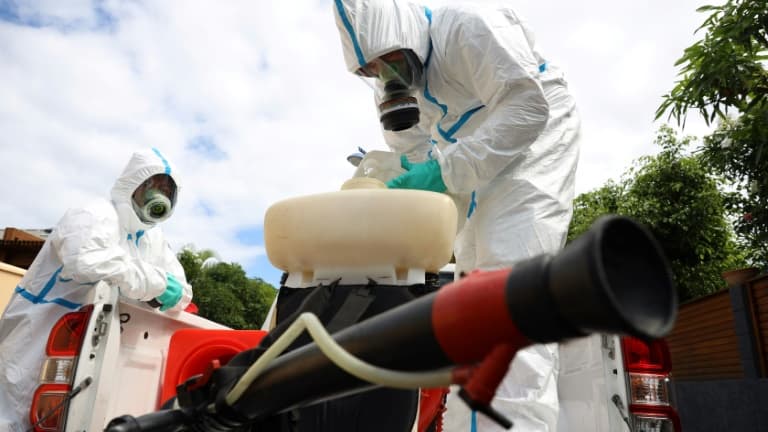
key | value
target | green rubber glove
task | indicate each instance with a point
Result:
(172, 293)
(423, 176)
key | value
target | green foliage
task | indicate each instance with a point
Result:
(724, 70)
(224, 293)
(738, 151)
(675, 196)
(725, 73)
(589, 206)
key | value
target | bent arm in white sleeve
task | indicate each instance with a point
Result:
(88, 243)
(498, 65)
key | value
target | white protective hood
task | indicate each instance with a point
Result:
(370, 29)
(143, 165)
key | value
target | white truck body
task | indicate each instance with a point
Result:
(591, 375)
(126, 346)
(124, 352)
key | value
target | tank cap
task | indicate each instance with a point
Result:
(363, 183)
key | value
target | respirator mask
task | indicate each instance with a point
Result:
(395, 77)
(154, 200)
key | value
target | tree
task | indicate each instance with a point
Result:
(724, 75)
(725, 69)
(224, 293)
(589, 206)
(676, 197)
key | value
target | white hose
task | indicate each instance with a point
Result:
(339, 356)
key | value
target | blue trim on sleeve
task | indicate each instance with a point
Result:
(428, 14)
(473, 423)
(472, 204)
(139, 234)
(348, 26)
(165, 162)
(543, 67)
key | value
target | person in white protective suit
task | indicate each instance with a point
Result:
(118, 242)
(477, 113)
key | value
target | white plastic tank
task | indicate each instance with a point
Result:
(365, 231)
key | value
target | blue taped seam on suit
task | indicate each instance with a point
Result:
(40, 298)
(472, 204)
(463, 119)
(49, 285)
(165, 162)
(447, 135)
(351, 32)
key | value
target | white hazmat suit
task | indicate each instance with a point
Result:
(102, 241)
(499, 120)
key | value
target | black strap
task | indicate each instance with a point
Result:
(352, 309)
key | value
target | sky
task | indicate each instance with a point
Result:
(252, 103)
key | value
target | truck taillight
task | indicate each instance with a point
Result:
(648, 389)
(66, 336)
(640, 356)
(648, 365)
(49, 403)
(48, 406)
(654, 419)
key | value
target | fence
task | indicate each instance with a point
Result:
(758, 290)
(723, 335)
(719, 350)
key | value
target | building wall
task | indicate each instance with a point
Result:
(20, 247)
(17, 234)
(9, 278)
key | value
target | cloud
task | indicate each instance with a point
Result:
(252, 103)
(67, 16)
(206, 146)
